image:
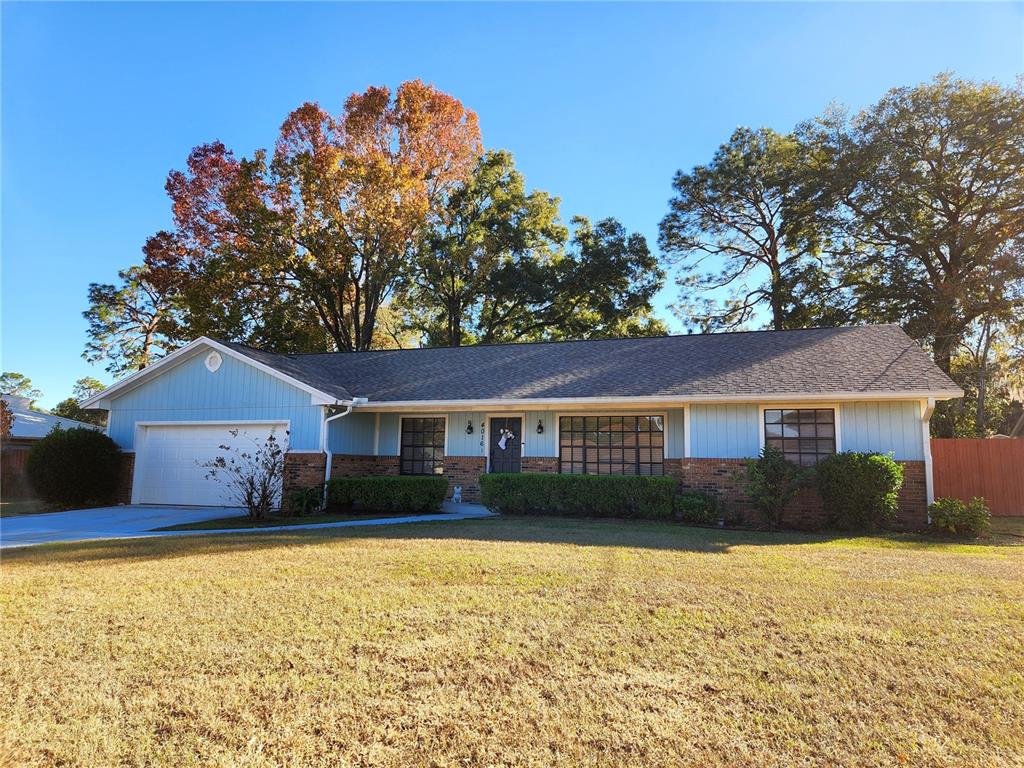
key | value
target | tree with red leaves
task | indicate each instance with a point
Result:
(301, 249)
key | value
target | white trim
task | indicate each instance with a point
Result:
(487, 435)
(548, 403)
(215, 422)
(810, 405)
(376, 434)
(686, 431)
(141, 429)
(927, 408)
(102, 399)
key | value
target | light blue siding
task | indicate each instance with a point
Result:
(234, 392)
(543, 444)
(389, 434)
(675, 435)
(461, 444)
(883, 427)
(352, 434)
(724, 431)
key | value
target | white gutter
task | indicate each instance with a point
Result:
(513, 403)
(326, 442)
(927, 408)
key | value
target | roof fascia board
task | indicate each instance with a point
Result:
(561, 402)
(102, 399)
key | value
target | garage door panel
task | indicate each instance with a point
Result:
(169, 460)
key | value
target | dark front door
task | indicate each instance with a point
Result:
(506, 440)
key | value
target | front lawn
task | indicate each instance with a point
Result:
(513, 642)
(241, 522)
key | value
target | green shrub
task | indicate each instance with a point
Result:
(579, 495)
(305, 501)
(74, 467)
(771, 482)
(696, 508)
(953, 517)
(859, 491)
(391, 493)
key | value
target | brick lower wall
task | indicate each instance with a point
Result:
(724, 478)
(464, 471)
(545, 464)
(345, 465)
(303, 470)
(125, 476)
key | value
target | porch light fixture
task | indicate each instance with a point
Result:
(540, 426)
(469, 427)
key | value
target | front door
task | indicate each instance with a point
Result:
(506, 439)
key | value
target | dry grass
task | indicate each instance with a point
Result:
(513, 642)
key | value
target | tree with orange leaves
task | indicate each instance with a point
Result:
(300, 249)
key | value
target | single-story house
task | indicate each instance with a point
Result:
(29, 426)
(692, 407)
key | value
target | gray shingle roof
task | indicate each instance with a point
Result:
(865, 359)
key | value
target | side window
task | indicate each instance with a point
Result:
(804, 435)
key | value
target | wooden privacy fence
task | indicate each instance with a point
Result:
(965, 468)
(13, 456)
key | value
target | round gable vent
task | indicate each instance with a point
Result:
(213, 361)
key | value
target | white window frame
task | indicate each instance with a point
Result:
(835, 407)
(403, 417)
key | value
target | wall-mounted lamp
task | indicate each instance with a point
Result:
(540, 426)
(469, 427)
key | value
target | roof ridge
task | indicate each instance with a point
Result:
(573, 341)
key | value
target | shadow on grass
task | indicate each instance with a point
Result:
(513, 530)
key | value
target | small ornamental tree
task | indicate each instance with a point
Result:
(74, 467)
(252, 477)
(771, 482)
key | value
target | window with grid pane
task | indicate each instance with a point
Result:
(611, 445)
(422, 446)
(804, 435)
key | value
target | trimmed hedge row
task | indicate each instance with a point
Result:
(391, 493)
(579, 495)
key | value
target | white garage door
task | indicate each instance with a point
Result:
(169, 459)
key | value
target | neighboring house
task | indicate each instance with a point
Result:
(692, 407)
(29, 425)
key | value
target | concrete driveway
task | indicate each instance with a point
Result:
(135, 521)
(101, 523)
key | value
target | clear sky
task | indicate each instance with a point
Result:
(600, 104)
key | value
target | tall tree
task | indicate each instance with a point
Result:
(20, 385)
(71, 408)
(742, 247)
(487, 222)
(329, 224)
(132, 323)
(925, 190)
(602, 286)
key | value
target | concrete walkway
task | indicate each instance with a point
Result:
(138, 521)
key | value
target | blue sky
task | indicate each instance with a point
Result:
(600, 104)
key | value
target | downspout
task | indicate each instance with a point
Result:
(326, 446)
(927, 408)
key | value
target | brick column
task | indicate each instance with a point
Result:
(465, 471)
(303, 470)
(126, 473)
